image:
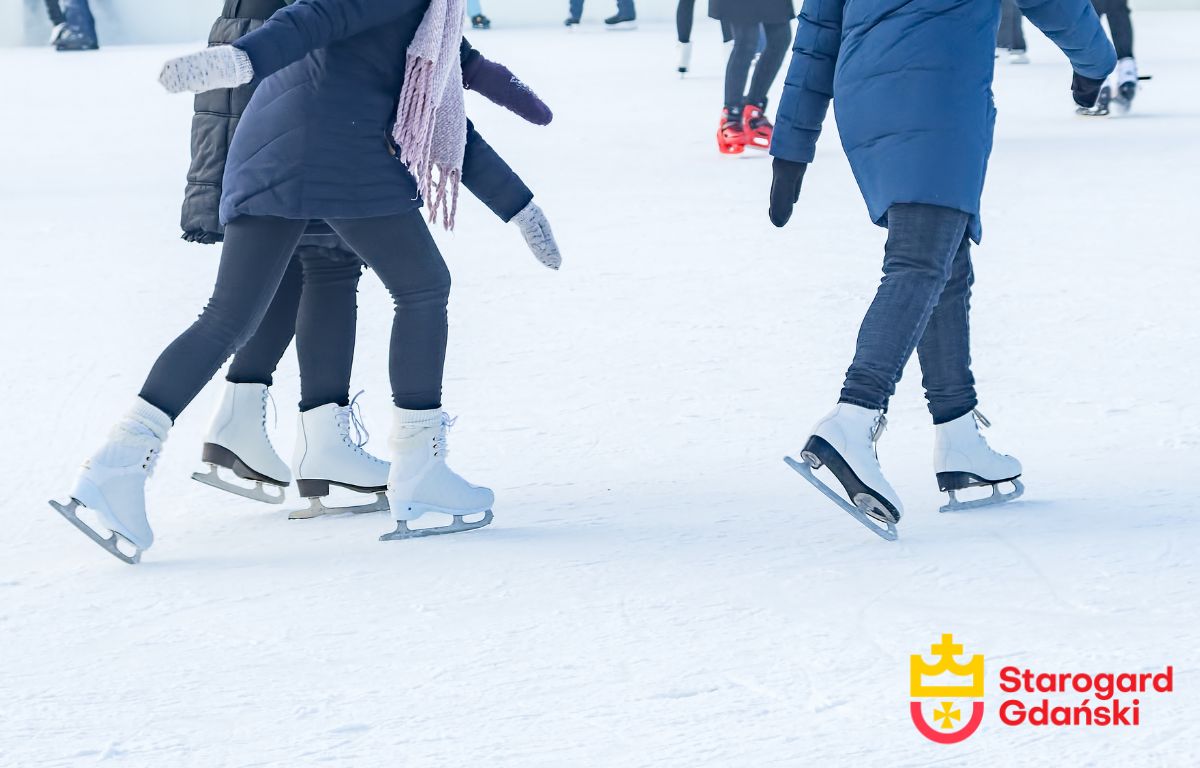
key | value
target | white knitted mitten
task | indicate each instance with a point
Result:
(222, 66)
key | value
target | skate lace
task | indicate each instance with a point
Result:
(349, 418)
(981, 423)
(268, 397)
(877, 432)
(441, 445)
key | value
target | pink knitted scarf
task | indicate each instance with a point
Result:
(431, 120)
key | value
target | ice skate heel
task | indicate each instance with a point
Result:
(218, 457)
(315, 492)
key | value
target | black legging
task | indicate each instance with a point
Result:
(55, 12)
(745, 45)
(685, 14)
(254, 260)
(317, 304)
(1119, 24)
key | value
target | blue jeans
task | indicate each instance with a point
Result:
(624, 8)
(923, 301)
(474, 8)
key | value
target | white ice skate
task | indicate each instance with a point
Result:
(1016, 56)
(963, 459)
(238, 441)
(1126, 89)
(112, 483)
(844, 441)
(420, 482)
(684, 51)
(327, 454)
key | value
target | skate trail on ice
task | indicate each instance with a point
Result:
(658, 588)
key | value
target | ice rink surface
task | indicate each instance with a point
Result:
(658, 588)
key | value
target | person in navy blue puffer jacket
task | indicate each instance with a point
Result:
(912, 87)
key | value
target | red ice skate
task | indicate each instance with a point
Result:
(757, 127)
(731, 134)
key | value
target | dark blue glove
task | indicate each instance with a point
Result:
(785, 189)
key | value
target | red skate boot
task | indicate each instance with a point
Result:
(731, 135)
(757, 127)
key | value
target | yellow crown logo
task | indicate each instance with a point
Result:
(946, 652)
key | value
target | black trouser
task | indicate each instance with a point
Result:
(1119, 25)
(685, 14)
(1010, 36)
(254, 261)
(317, 304)
(55, 12)
(745, 45)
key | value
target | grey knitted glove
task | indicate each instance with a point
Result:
(221, 66)
(538, 235)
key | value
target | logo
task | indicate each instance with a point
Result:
(955, 706)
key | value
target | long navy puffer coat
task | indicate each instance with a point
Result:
(911, 82)
(314, 142)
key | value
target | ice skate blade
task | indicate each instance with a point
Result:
(317, 508)
(996, 498)
(108, 544)
(258, 493)
(458, 526)
(888, 534)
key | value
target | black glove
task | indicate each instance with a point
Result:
(1085, 90)
(785, 189)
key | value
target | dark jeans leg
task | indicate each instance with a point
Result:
(326, 326)
(945, 348)
(54, 10)
(1011, 35)
(737, 71)
(79, 17)
(255, 256)
(779, 39)
(256, 361)
(1121, 26)
(576, 8)
(922, 243)
(626, 8)
(403, 254)
(684, 20)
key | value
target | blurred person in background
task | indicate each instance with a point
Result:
(74, 26)
(1011, 36)
(685, 14)
(762, 29)
(1120, 27)
(625, 18)
(475, 13)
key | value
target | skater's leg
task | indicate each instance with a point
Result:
(945, 347)
(684, 20)
(1121, 26)
(921, 245)
(255, 256)
(256, 361)
(403, 254)
(326, 326)
(778, 39)
(626, 9)
(1011, 36)
(54, 10)
(474, 8)
(726, 31)
(737, 71)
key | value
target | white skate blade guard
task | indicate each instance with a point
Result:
(887, 533)
(458, 526)
(109, 544)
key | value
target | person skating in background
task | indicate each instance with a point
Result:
(1124, 88)
(625, 17)
(74, 26)
(309, 148)
(315, 303)
(1011, 35)
(744, 121)
(918, 137)
(475, 12)
(685, 14)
